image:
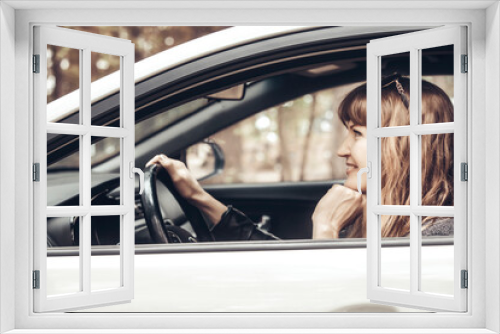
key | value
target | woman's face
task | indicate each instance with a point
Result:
(353, 149)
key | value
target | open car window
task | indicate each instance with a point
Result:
(293, 141)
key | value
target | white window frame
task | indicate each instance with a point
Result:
(484, 103)
(414, 43)
(85, 43)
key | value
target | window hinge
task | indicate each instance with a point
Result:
(465, 171)
(36, 279)
(36, 63)
(36, 172)
(465, 64)
(465, 279)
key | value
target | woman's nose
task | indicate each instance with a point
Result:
(344, 149)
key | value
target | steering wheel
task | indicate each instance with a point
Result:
(165, 210)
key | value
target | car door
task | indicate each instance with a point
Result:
(284, 209)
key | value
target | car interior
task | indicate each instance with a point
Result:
(191, 101)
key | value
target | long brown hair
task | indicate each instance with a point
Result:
(436, 152)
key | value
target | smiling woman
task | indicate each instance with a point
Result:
(437, 175)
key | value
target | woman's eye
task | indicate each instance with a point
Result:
(357, 133)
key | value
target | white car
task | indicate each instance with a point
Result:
(242, 79)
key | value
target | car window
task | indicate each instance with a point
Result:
(291, 142)
(294, 141)
(152, 125)
(106, 148)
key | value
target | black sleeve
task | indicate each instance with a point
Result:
(235, 225)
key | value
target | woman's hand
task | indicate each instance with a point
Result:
(339, 204)
(189, 188)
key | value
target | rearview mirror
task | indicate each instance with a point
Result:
(205, 159)
(234, 93)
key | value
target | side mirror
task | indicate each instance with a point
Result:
(205, 159)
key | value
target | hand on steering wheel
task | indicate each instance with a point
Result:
(166, 205)
(184, 182)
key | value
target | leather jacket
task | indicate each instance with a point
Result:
(236, 226)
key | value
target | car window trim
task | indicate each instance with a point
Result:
(249, 246)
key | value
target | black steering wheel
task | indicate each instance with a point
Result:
(165, 210)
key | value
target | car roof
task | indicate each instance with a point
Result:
(168, 59)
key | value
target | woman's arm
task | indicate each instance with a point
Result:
(189, 188)
(227, 223)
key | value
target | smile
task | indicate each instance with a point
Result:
(350, 169)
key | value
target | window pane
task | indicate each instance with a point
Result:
(152, 125)
(395, 90)
(395, 252)
(63, 78)
(63, 256)
(63, 177)
(106, 76)
(100, 151)
(437, 90)
(395, 170)
(105, 263)
(437, 257)
(437, 169)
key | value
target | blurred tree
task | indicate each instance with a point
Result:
(63, 63)
(284, 157)
(307, 141)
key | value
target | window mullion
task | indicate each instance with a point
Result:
(373, 154)
(85, 71)
(109, 210)
(103, 131)
(405, 210)
(435, 128)
(419, 129)
(415, 105)
(85, 251)
(85, 107)
(127, 122)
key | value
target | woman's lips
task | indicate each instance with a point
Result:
(350, 169)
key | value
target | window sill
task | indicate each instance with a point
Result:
(248, 331)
